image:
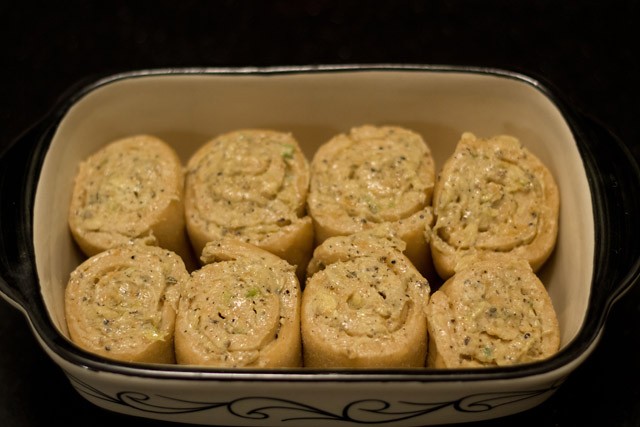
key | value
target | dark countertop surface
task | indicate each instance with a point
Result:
(585, 49)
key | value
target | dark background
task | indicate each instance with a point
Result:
(587, 50)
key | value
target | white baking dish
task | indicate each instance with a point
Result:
(591, 267)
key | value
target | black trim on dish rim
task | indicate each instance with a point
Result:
(611, 187)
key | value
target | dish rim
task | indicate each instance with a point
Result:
(42, 325)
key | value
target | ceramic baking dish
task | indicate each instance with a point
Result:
(594, 263)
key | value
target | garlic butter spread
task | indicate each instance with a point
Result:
(492, 313)
(122, 302)
(363, 305)
(248, 184)
(123, 191)
(369, 176)
(360, 298)
(494, 195)
(235, 311)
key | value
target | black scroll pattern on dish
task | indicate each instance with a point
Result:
(365, 411)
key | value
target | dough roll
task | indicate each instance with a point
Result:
(121, 303)
(364, 305)
(493, 195)
(131, 189)
(241, 309)
(493, 311)
(251, 185)
(373, 175)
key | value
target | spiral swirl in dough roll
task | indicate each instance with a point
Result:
(493, 195)
(131, 189)
(370, 176)
(494, 311)
(121, 303)
(364, 304)
(251, 185)
(241, 309)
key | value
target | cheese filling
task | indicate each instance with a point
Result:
(233, 309)
(360, 298)
(248, 184)
(372, 175)
(117, 303)
(123, 188)
(496, 318)
(489, 199)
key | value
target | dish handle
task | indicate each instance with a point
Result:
(20, 163)
(614, 176)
